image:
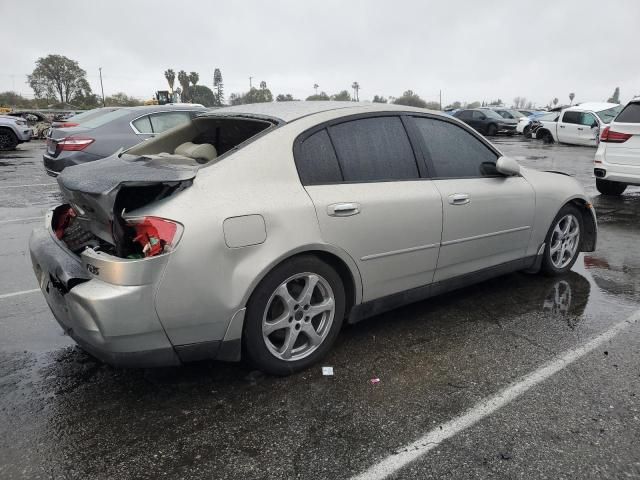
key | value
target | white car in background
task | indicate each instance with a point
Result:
(580, 124)
(617, 161)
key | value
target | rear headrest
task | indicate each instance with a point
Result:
(202, 151)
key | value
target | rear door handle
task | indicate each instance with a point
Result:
(561, 126)
(459, 199)
(580, 128)
(343, 209)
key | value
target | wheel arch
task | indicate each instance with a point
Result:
(589, 222)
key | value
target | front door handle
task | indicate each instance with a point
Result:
(343, 209)
(459, 199)
(580, 128)
(561, 126)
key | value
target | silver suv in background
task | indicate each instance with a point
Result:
(617, 161)
(99, 135)
(13, 131)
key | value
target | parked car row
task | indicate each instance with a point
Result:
(13, 131)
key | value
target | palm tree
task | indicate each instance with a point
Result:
(263, 85)
(194, 78)
(315, 87)
(183, 78)
(170, 75)
(571, 97)
(356, 88)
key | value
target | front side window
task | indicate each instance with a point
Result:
(588, 119)
(454, 152)
(374, 149)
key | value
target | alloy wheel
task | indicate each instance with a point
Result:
(565, 240)
(298, 316)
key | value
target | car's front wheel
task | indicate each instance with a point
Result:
(294, 316)
(492, 130)
(607, 187)
(8, 139)
(562, 244)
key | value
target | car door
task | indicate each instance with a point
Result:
(479, 121)
(588, 129)
(487, 217)
(366, 186)
(568, 125)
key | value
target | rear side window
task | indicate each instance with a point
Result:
(143, 124)
(316, 160)
(572, 117)
(454, 152)
(374, 149)
(630, 114)
(166, 120)
(478, 115)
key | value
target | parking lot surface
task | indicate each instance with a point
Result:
(65, 415)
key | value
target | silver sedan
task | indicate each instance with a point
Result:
(258, 230)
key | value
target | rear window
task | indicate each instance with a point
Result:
(630, 114)
(104, 119)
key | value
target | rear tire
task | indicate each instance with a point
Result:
(607, 187)
(492, 130)
(8, 139)
(546, 137)
(527, 132)
(302, 299)
(563, 241)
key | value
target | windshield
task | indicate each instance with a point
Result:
(609, 114)
(549, 117)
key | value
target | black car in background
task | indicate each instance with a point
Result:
(98, 136)
(487, 122)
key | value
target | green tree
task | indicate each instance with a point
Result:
(379, 99)
(13, 99)
(433, 105)
(59, 77)
(473, 105)
(615, 98)
(410, 99)
(453, 106)
(219, 86)
(254, 95)
(121, 99)
(317, 97)
(183, 79)
(203, 95)
(555, 101)
(194, 78)
(342, 96)
(495, 103)
(286, 98)
(170, 75)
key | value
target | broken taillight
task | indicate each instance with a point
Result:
(154, 235)
(61, 221)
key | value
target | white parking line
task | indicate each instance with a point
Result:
(31, 185)
(24, 219)
(488, 406)
(15, 294)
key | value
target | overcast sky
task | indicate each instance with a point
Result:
(470, 50)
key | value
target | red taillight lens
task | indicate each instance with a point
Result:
(611, 136)
(74, 144)
(66, 125)
(155, 235)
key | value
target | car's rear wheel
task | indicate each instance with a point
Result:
(492, 130)
(294, 316)
(8, 139)
(607, 187)
(546, 137)
(562, 244)
(527, 132)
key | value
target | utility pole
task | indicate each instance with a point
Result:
(441, 100)
(250, 85)
(102, 87)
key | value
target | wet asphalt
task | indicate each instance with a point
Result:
(65, 415)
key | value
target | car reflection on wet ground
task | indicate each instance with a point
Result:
(63, 414)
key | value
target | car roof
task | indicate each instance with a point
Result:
(592, 106)
(160, 108)
(289, 111)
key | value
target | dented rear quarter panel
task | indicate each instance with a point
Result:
(206, 281)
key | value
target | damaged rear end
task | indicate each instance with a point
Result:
(98, 263)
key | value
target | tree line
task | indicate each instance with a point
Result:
(60, 82)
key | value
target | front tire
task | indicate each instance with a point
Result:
(563, 240)
(8, 140)
(492, 130)
(294, 316)
(607, 187)
(527, 132)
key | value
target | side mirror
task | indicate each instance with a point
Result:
(508, 166)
